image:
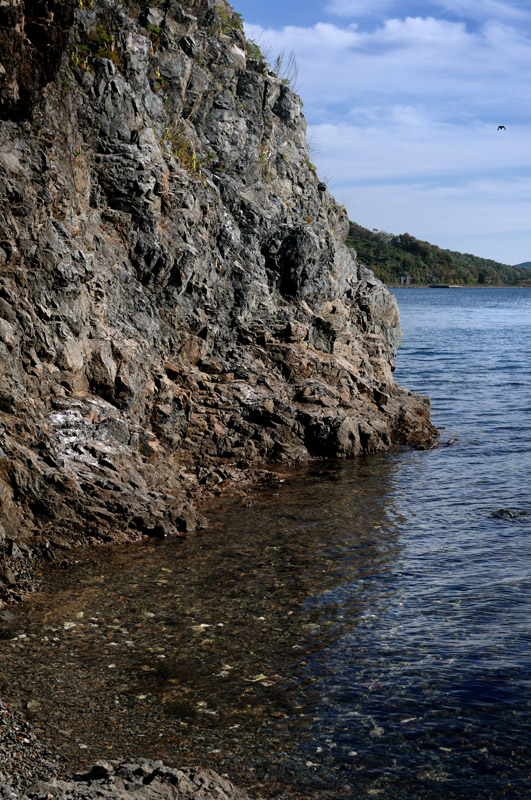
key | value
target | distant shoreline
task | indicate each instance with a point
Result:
(452, 286)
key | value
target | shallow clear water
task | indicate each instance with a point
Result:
(362, 630)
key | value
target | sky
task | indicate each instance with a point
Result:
(403, 100)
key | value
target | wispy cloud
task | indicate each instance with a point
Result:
(435, 62)
(405, 113)
(405, 145)
(517, 10)
(488, 9)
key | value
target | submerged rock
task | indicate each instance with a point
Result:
(510, 513)
(176, 302)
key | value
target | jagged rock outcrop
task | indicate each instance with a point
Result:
(134, 780)
(176, 302)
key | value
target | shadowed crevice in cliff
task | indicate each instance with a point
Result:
(33, 35)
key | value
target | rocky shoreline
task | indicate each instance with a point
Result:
(177, 305)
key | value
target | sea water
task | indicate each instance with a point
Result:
(361, 630)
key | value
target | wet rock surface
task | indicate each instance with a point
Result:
(510, 514)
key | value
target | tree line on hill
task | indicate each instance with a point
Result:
(402, 259)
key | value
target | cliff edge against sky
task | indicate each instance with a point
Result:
(176, 301)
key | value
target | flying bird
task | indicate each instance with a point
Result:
(502, 128)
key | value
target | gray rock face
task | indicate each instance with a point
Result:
(176, 302)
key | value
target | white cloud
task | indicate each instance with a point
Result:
(468, 9)
(403, 145)
(435, 181)
(487, 9)
(419, 60)
(418, 31)
(405, 115)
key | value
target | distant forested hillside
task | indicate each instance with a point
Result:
(404, 259)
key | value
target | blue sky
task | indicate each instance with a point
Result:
(403, 100)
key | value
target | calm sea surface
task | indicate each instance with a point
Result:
(362, 630)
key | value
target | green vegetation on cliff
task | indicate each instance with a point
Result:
(404, 259)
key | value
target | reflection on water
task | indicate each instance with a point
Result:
(361, 631)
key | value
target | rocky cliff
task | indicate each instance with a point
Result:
(176, 302)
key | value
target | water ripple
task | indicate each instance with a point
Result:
(364, 629)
